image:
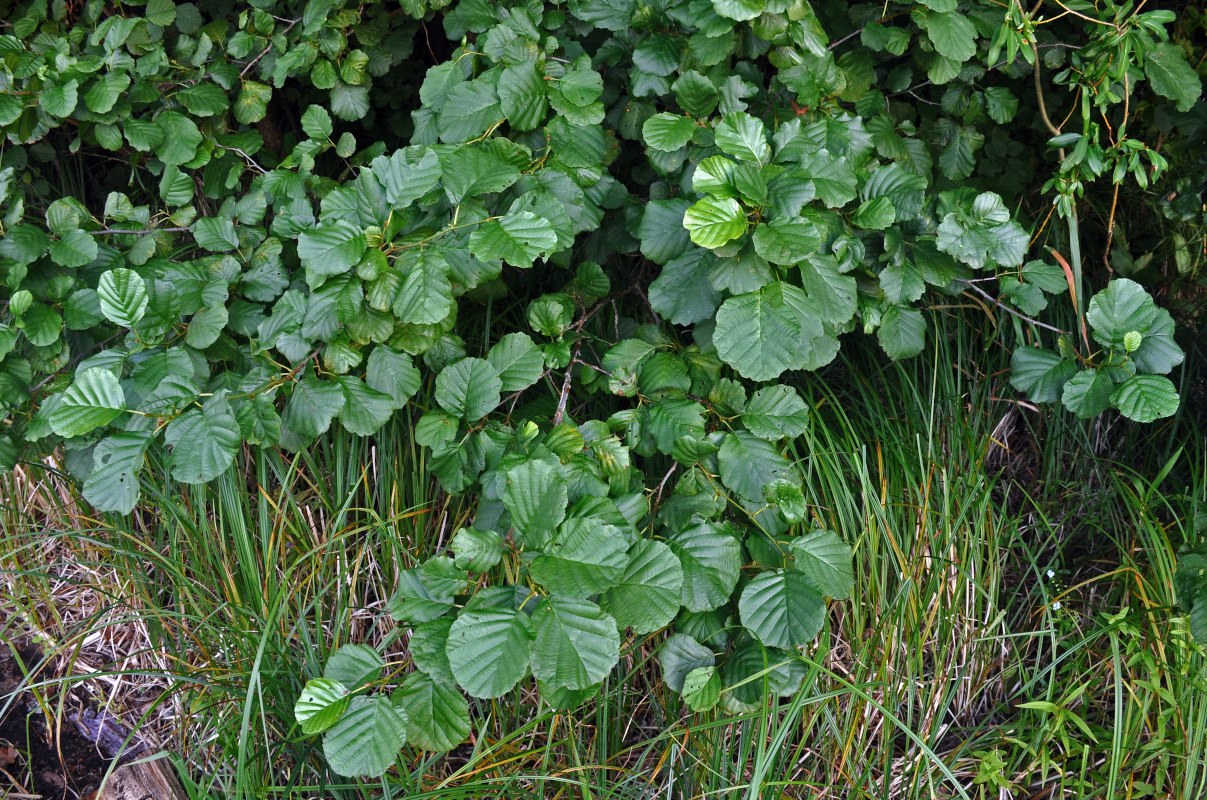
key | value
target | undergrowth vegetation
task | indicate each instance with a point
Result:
(612, 398)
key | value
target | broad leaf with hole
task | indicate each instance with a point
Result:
(113, 483)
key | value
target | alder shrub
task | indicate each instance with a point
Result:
(227, 227)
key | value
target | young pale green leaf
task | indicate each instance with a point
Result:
(647, 596)
(576, 644)
(825, 559)
(1144, 398)
(583, 558)
(366, 739)
(711, 559)
(204, 441)
(1042, 374)
(711, 222)
(782, 608)
(95, 398)
(320, 705)
(776, 412)
(536, 495)
(702, 688)
(489, 650)
(437, 714)
(123, 296)
(113, 483)
(1088, 393)
(468, 389)
(668, 132)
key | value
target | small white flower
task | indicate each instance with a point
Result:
(1056, 606)
(1051, 574)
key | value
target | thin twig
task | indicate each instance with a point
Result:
(565, 393)
(266, 50)
(1007, 308)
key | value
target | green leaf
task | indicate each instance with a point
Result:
(60, 99)
(320, 705)
(489, 650)
(711, 222)
(740, 10)
(1124, 307)
(782, 608)
(674, 418)
(332, 248)
(612, 15)
(984, 235)
(825, 559)
(181, 138)
(536, 495)
(468, 389)
(695, 94)
(902, 331)
(24, 243)
(102, 95)
(1144, 398)
(215, 234)
(743, 137)
(576, 644)
(662, 233)
(94, 399)
(354, 665)
(522, 97)
(668, 132)
(204, 442)
(392, 373)
(776, 412)
(1172, 76)
(786, 241)
(517, 360)
(367, 738)
(647, 596)
(583, 558)
(437, 715)
(426, 294)
(73, 249)
(365, 410)
(702, 688)
(711, 559)
(760, 335)
(202, 100)
(680, 655)
(682, 292)
(1042, 374)
(952, 34)
(113, 483)
(316, 123)
(1088, 393)
(407, 175)
(475, 550)
(470, 108)
(428, 649)
(123, 297)
(1000, 104)
(517, 238)
(748, 463)
(427, 591)
(309, 411)
(875, 214)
